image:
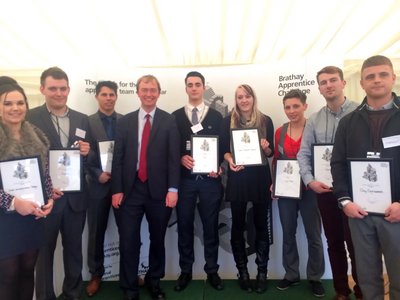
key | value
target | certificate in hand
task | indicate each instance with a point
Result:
(246, 147)
(106, 152)
(66, 169)
(205, 153)
(322, 154)
(372, 184)
(23, 179)
(287, 179)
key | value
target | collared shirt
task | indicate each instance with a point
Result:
(142, 121)
(61, 124)
(320, 128)
(388, 105)
(202, 110)
(104, 119)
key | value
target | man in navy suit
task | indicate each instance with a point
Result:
(63, 127)
(102, 126)
(145, 180)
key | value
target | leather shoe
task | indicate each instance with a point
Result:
(182, 281)
(341, 297)
(215, 281)
(157, 293)
(93, 286)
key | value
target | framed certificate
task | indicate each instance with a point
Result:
(246, 147)
(66, 169)
(321, 158)
(23, 179)
(204, 151)
(371, 183)
(106, 152)
(287, 179)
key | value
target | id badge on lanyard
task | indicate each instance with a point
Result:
(373, 154)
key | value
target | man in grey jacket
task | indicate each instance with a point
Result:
(321, 129)
(102, 125)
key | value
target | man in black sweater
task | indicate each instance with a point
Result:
(196, 118)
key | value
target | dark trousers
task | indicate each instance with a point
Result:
(337, 231)
(239, 212)
(97, 216)
(130, 215)
(209, 192)
(70, 224)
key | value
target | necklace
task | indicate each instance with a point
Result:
(290, 137)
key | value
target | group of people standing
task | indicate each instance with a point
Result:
(151, 174)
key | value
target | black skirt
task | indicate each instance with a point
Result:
(19, 234)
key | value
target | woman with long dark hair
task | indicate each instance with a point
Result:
(21, 233)
(250, 184)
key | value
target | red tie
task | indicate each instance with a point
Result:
(143, 149)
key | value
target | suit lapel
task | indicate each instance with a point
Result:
(135, 133)
(48, 122)
(101, 133)
(156, 124)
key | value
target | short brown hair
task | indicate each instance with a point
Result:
(296, 93)
(331, 70)
(147, 78)
(54, 72)
(377, 60)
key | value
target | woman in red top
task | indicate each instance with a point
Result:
(294, 104)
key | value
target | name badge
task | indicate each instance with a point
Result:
(196, 128)
(81, 133)
(373, 154)
(391, 141)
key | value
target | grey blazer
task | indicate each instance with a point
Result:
(40, 117)
(97, 190)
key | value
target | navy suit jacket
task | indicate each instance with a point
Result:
(163, 155)
(97, 190)
(40, 117)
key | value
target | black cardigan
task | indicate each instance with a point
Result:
(211, 126)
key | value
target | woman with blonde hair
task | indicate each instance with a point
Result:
(249, 184)
(21, 233)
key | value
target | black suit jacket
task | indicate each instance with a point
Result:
(163, 157)
(41, 118)
(97, 190)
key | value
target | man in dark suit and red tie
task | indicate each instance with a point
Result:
(145, 180)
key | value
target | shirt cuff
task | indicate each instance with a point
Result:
(173, 190)
(308, 178)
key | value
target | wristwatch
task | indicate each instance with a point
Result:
(343, 203)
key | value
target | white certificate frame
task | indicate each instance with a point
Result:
(66, 169)
(23, 178)
(106, 153)
(321, 159)
(246, 147)
(287, 179)
(371, 184)
(205, 152)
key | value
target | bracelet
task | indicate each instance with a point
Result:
(12, 204)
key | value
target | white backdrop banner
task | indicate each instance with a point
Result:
(270, 82)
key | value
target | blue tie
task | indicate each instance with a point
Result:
(110, 128)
